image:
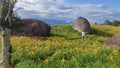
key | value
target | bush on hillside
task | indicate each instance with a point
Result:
(107, 22)
(114, 23)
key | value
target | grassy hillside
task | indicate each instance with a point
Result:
(66, 49)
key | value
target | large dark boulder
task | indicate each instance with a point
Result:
(82, 24)
(32, 27)
(114, 41)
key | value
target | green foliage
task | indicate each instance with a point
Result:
(107, 22)
(14, 1)
(16, 21)
(116, 23)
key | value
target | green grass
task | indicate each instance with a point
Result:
(66, 49)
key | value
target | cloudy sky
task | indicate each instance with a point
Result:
(69, 10)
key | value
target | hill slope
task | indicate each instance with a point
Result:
(66, 49)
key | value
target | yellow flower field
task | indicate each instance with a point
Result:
(66, 49)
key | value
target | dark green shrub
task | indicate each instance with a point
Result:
(107, 22)
(16, 21)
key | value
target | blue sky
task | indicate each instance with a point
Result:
(108, 3)
(65, 11)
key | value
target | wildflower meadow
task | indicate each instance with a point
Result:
(66, 49)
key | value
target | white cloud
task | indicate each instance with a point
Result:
(60, 10)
